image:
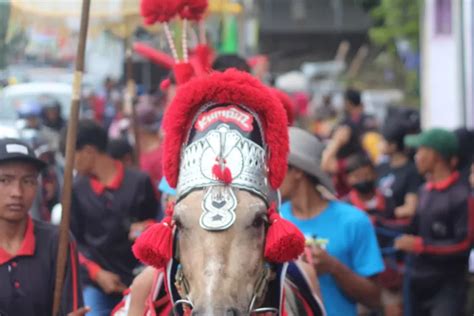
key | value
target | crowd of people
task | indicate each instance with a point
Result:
(389, 223)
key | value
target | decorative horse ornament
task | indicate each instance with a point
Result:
(223, 244)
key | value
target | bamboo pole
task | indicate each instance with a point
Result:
(70, 151)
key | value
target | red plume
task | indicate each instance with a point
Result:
(204, 56)
(165, 84)
(159, 10)
(154, 55)
(155, 246)
(183, 72)
(284, 242)
(193, 9)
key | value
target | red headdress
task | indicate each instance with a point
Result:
(284, 241)
(231, 86)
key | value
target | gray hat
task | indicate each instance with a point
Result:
(305, 154)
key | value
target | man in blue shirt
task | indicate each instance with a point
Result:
(342, 241)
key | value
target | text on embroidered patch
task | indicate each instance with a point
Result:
(229, 114)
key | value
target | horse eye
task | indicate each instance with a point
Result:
(177, 223)
(258, 222)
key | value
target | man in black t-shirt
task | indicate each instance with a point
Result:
(111, 205)
(398, 178)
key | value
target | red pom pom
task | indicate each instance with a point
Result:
(222, 175)
(159, 10)
(154, 246)
(284, 242)
(193, 9)
(183, 72)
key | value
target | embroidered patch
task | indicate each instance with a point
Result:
(16, 149)
(229, 114)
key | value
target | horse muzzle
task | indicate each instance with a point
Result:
(218, 312)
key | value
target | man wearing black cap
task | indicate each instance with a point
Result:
(440, 237)
(28, 248)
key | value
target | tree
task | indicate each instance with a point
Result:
(397, 30)
(396, 20)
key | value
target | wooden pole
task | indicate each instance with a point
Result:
(70, 151)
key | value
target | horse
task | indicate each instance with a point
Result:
(223, 248)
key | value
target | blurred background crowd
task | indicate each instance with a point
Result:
(348, 71)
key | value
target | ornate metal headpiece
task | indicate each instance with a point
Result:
(225, 148)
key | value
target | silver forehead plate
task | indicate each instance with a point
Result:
(245, 159)
(218, 207)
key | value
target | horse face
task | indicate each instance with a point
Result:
(221, 267)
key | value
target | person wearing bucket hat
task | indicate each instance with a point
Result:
(28, 247)
(439, 238)
(341, 240)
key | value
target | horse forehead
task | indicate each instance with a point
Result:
(246, 203)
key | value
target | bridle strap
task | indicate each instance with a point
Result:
(186, 305)
(260, 291)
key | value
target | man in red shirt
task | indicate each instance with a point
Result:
(111, 206)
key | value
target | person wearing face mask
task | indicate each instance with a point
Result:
(361, 177)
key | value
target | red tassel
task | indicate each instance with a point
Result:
(154, 246)
(193, 9)
(159, 10)
(222, 175)
(284, 241)
(183, 72)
